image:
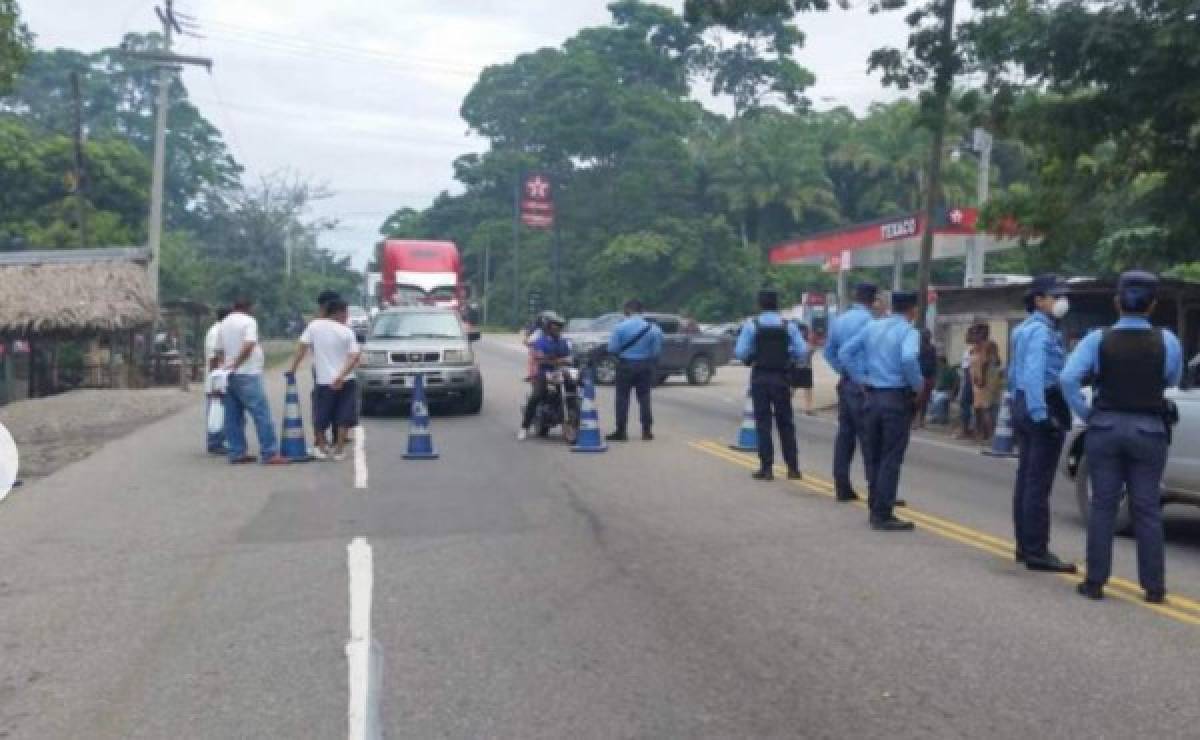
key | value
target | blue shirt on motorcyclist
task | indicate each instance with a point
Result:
(547, 350)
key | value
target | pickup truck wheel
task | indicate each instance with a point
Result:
(1083, 497)
(473, 403)
(700, 370)
(606, 370)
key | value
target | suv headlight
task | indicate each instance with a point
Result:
(375, 358)
(458, 357)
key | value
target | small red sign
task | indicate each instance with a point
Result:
(537, 207)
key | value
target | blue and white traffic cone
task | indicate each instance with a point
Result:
(589, 438)
(420, 440)
(293, 445)
(1003, 441)
(747, 437)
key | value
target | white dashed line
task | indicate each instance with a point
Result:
(362, 656)
(360, 456)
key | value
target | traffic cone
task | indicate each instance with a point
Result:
(293, 445)
(420, 440)
(1003, 441)
(747, 437)
(589, 438)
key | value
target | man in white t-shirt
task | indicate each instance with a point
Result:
(335, 355)
(213, 355)
(244, 393)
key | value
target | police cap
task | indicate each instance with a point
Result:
(1136, 289)
(902, 300)
(1048, 284)
(866, 292)
(326, 296)
(768, 299)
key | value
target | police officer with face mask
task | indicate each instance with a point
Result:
(889, 350)
(1132, 364)
(1041, 420)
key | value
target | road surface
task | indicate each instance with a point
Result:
(522, 591)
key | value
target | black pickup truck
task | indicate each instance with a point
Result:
(691, 354)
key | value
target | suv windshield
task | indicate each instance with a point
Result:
(417, 326)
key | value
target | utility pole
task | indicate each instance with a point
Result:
(981, 144)
(80, 172)
(167, 63)
(517, 248)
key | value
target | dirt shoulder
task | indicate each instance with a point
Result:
(56, 431)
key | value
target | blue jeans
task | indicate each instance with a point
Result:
(245, 394)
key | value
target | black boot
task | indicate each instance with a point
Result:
(795, 474)
(618, 436)
(891, 524)
(766, 475)
(1049, 563)
(1157, 596)
(847, 496)
(1091, 590)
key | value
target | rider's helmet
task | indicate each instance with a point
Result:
(552, 318)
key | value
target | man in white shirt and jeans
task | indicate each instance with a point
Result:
(213, 359)
(335, 355)
(245, 392)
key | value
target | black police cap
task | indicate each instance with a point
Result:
(866, 292)
(767, 297)
(902, 300)
(1048, 284)
(326, 296)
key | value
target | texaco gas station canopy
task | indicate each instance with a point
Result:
(885, 242)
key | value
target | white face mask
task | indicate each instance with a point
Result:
(1061, 307)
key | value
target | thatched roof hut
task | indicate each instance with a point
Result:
(74, 299)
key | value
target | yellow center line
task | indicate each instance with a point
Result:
(1177, 607)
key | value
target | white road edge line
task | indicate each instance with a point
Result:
(360, 456)
(362, 656)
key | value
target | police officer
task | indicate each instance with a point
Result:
(637, 344)
(889, 349)
(1040, 421)
(770, 345)
(849, 392)
(1127, 429)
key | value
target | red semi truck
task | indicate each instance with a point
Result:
(421, 273)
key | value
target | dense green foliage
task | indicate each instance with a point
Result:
(223, 237)
(656, 196)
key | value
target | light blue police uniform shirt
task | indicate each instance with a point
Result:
(1041, 358)
(745, 342)
(1085, 361)
(646, 348)
(844, 328)
(1014, 357)
(890, 350)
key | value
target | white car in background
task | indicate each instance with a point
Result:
(1181, 482)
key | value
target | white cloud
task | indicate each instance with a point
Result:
(365, 94)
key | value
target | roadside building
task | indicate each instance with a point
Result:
(1001, 308)
(72, 319)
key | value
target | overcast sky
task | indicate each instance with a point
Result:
(364, 94)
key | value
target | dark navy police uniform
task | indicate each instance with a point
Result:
(636, 343)
(1041, 420)
(1132, 364)
(770, 345)
(851, 398)
(889, 348)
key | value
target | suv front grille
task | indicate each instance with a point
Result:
(415, 358)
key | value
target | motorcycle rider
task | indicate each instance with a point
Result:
(550, 351)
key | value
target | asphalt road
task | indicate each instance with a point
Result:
(522, 591)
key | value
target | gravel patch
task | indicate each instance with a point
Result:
(56, 431)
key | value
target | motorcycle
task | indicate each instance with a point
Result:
(561, 404)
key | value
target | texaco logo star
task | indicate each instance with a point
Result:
(956, 217)
(538, 188)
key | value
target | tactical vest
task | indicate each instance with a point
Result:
(771, 347)
(1131, 374)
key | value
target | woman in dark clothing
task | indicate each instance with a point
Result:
(928, 361)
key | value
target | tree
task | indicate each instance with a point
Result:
(15, 44)
(1106, 95)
